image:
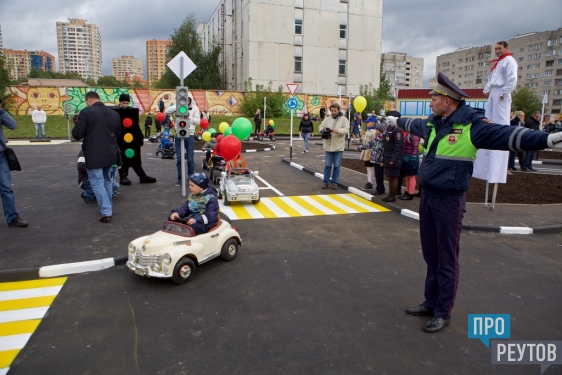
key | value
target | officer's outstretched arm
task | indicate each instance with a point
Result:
(415, 126)
(507, 138)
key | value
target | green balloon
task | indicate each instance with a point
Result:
(228, 131)
(212, 131)
(241, 128)
(129, 153)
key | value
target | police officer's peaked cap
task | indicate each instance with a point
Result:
(446, 87)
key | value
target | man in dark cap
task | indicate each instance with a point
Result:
(123, 110)
(453, 134)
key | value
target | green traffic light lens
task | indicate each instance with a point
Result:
(182, 110)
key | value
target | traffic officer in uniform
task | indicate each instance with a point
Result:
(453, 134)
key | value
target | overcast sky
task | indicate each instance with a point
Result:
(419, 28)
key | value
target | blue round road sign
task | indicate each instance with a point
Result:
(292, 103)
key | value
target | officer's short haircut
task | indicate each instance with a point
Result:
(335, 105)
(92, 95)
(503, 43)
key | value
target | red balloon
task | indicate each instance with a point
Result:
(127, 122)
(219, 138)
(160, 117)
(230, 147)
(204, 124)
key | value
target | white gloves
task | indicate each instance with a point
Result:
(555, 140)
(392, 121)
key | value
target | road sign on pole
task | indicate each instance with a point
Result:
(292, 103)
(292, 87)
(177, 63)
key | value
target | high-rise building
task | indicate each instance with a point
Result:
(156, 51)
(79, 46)
(325, 46)
(1, 44)
(127, 67)
(20, 62)
(538, 54)
(403, 71)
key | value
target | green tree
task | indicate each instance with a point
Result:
(253, 100)
(526, 100)
(376, 97)
(185, 38)
(4, 78)
(108, 81)
(90, 82)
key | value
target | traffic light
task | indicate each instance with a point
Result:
(181, 101)
(182, 128)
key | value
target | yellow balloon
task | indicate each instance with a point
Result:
(223, 126)
(359, 103)
(128, 138)
(206, 136)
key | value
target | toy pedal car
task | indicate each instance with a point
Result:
(238, 184)
(262, 135)
(176, 251)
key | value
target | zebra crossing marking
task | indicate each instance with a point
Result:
(22, 306)
(300, 206)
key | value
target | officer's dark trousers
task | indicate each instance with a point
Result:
(440, 230)
(379, 178)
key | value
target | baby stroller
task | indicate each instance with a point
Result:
(166, 149)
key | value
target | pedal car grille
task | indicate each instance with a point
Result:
(149, 260)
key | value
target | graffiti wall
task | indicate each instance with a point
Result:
(53, 100)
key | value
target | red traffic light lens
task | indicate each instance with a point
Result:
(182, 124)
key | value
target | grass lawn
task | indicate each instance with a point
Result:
(56, 126)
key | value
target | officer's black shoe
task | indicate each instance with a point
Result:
(389, 199)
(147, 180)
(436, 324)
(406, 196)
(419, 311)
(125, 181)
(368, 186)
(378, 192)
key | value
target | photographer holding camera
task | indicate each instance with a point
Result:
(333, 129)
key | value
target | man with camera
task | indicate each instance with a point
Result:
(333, 130)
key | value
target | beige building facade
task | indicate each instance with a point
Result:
(127, 67)
(403, 71)
(79, 48)
(319, 44)
(539, 59)
(156, 60)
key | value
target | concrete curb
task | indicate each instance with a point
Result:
(415, 216)
(60, 269)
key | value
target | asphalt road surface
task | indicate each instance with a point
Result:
(320, 294)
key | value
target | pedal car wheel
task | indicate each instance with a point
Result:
(175, 155)
(198, 137)
(260, 138)
(183, 271)
(256, 201)
(160, 155)
(272, 138)
(224, 217)
(219, 195)
(229, 250)
(226, 201)
(205, 165)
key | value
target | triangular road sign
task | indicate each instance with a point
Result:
(292, 87)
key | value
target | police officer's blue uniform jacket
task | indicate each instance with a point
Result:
(445, 171)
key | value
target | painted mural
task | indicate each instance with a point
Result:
(24, 99)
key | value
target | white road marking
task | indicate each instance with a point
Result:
(30, 293)
(13, 342)
(23, 314)
(269, 185)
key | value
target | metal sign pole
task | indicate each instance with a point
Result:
(182, 152)
(291, 145)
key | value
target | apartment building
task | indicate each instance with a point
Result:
(156, 60)
(320, 45)
(79, 48)
(20, 62)
(539, 59)
(403, 71)
(127, 67)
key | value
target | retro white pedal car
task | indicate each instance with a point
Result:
(176, 251)
(238, 185)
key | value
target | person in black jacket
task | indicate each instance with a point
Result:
(392, 158)
(99, 127)
(518, 120)
(532, 123)
(147, 125)
(306, 130)
(257, 122)
(322, 113)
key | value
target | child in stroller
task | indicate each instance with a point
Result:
(166, 148)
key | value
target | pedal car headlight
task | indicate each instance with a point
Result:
(166, 258)
(132, 247)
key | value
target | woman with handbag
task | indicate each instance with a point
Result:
(369, 150)
(8, 162)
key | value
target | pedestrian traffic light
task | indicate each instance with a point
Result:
(182, 127)
(181, 101)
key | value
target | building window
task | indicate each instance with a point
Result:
(342, 31)
(548, 82)
(557, 102)
(551, 52)
(551, 42)
(548, 72)
(559, 72)
(412, 108)
(521, 58)
(342, 67)
(558, 82)
(298, 27)
(298, 64)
